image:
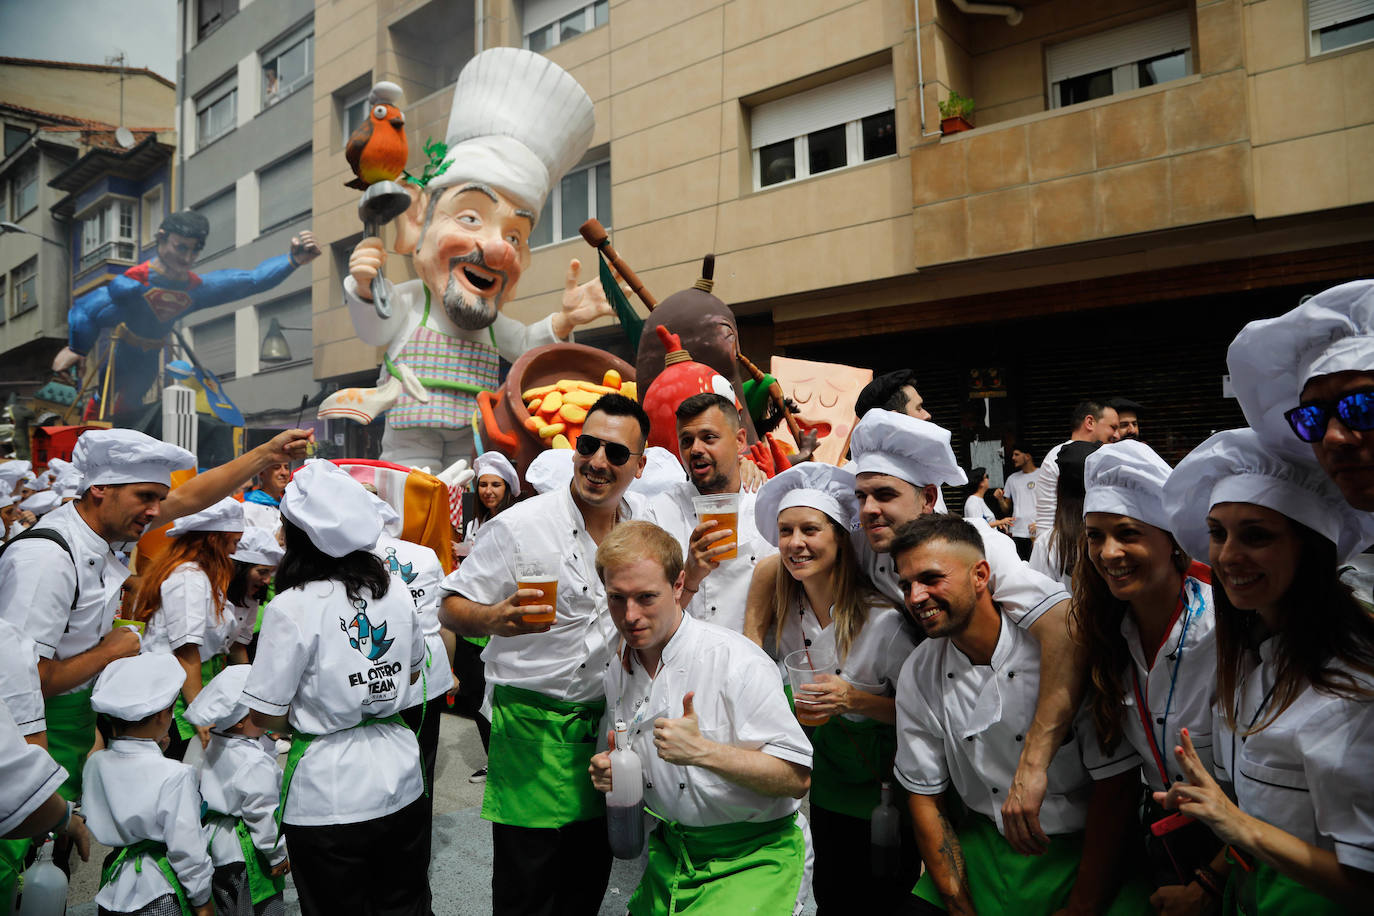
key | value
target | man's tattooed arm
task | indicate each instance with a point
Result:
(939, 846)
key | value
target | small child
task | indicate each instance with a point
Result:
(144, 805)
(241, 785)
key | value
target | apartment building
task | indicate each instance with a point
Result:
(1141, 178)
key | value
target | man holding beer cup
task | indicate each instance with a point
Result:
(545, 662)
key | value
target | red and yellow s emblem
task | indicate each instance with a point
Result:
(167, 304)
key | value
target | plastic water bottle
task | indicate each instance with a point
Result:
(885, 837)
(44, 888)
(625, 801)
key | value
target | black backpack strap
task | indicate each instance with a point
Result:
(48, 534)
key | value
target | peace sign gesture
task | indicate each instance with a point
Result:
(1200, 797)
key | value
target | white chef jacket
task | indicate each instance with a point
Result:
(187, 617)
(566, 662)
(307, 668)
(1044, 559)
(239, 778)
(1047, 490)
(1022, 488)
(1194, 689)
(416, 567)
(722, 595)
(38, 582)
(1024, 594)
(259, 516)
(875, 656)
(964, 724)
(738, 699)
(130, 793)
(20, 689)
(1308, 772)
(246, 618)
(31, 776)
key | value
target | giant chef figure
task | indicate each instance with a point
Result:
(518, 123)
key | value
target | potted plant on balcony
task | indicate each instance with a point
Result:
(955, 112)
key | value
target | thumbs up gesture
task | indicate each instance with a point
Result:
(679, 741)
(600, 767)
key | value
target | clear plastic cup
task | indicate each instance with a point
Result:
(803, 666)
(723, 509)
(539, 573)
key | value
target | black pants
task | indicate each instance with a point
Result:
(1024, 547)
(372, 868)
(472, 686)
(427, 733)
(844, 882)
(559, 871)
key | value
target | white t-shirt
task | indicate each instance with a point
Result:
(1047, 490)
(1022, 489)
(974, 507)
(239, 778)
(187, 616)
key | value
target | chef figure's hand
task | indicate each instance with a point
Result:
(600, 768)
(304, 248)
(508, 617)
(583, 303)
(366, 261)
(680, 741)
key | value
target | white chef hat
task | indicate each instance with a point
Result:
(7, 499)
(662, 469)
(496, 464)
(811, 483)
(1126, 478)
(917, 451)
(386, 514)
(1235, 466)
(136, 687)
(225, 515)
(550, 470)
(1272, 359)
(332, 508)
(68, 483)
(259, 547)
(11, 472)
(30, 480)
(57, 465)
(518, 123)
(220, 702)
(42, 502)
(113, 456)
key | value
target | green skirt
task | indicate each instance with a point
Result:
(849, 758)
(1265, 892)
(71, 735)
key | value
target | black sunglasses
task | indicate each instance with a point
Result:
(616, 453)
(1355, 410)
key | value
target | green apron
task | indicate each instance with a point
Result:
(477, 640)
(300, 741)
(730, 868)
(1002, 880)
(537, 760)
(1265, 891)
(261, 885)
(12, 854)
(71, 735)
(848, 760)
(208, 671)
(157, 852)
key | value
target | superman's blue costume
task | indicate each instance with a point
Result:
(142, 305)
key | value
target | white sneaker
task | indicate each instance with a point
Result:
(479, 776)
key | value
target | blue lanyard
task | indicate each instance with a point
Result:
(1189, 607)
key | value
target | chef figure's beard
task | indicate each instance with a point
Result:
(471, 313)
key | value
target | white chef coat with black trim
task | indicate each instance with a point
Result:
(566, 662)
(187, 616)
(965, 724)
(31, 776)
(723, 593)
(246, 618)
(738, 699)
(316, 665)
(876, 655)
(131, 793)
(417, 568)
(38, 581)
(1024, 594)
(240, 779)
(20, 689)
(1307, 772)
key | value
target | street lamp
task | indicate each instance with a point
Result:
(274, 346)
(8, 227)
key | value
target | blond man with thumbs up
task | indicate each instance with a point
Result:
(724, 759)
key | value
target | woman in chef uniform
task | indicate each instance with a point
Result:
(497, 487)
(255, 563)
(1143, 610)
(823, 602)
(182, 601)
(1295, 679)
(339, 648)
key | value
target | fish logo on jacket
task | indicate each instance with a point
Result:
(371, 641)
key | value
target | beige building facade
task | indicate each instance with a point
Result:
(1141, 178)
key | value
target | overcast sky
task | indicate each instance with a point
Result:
(89, 31)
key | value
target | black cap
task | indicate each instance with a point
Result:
(1126, 404)
(1072, 459)
(879, 391)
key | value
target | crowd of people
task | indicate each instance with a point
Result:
(1135, 689)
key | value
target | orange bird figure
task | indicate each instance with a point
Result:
(377, 150)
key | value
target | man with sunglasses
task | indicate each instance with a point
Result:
(144, 302)
(1305, 381)
(551, 854)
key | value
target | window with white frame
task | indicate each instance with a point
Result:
(24, 284)
(216, 111)
(287, 65)
(552, 22)
(107, 234)
(582, 194)
(1133, 56)
(24, 190)
(284, 190)
(151, 217)
(1334, 24)
(352, 112)
(840, 124)
(15, 137)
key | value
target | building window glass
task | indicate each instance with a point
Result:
(14, 138)
(211, 14)
(1338, 24)
(220, 213)
(354, 112)
(215, 113)
(108, 234)
(213, 342)
(24, 191)
(286, 67)
(151, 217)
(24, 282)
(834, 126)
(1133, 56)
(3, 312)
(582, 194)
(284, 191)
(552, 22)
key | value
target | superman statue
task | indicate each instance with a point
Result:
(142, 304)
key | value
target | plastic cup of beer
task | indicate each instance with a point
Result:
(540, 574)
(723, 509)
(804, 667)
